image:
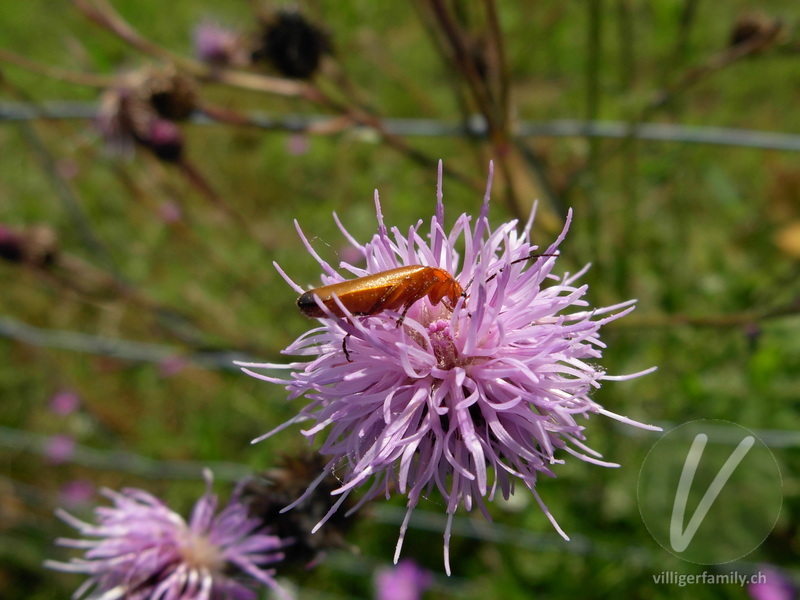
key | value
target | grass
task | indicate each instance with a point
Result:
(689, 230)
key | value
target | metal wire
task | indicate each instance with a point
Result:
(473, 127)
(125, 462)
(116, 348)
(156, 353)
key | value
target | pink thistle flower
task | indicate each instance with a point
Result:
(468, 398)
(165, 139)
(297, 144)
(76, 493)
(219, 46)
(170, 212)
(11, 245)
(406, 581)
(171, 366)
(771, 584)
(60, 448)
(140, 549)
(64, 403)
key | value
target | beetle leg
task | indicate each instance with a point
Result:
(403, 315)
(421, 294)
(344, 348)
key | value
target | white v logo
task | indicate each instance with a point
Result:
(680, 540)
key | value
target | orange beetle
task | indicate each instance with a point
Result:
(394, 289)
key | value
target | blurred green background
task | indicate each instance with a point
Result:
(706, 236)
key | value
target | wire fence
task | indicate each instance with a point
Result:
(475, 126)
(117, 348)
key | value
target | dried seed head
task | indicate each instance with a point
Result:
(141, 108)
(292, 44)
(266, 496)
(172, 95)
(36, 246)
(756, 26)
(10, 245)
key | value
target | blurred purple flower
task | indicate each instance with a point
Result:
(165, 139)
(170, 212)
(60, 448)
(406, 581)
(76, 493)
(141, 549)
(11, 244)
(297, 144)
(468, 398)
(171, 366)
(219, 46)
(772, 585)
(68, 168)
(111, 122)
(64, 403)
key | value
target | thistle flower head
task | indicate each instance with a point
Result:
(64, 402)
(406, 581)
(772, 584)
(219, 45)
(11, 243)
(142, 109)
(165, 139)
(140, 549)
(468, 396)
(60, 449)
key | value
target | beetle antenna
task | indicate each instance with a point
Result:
(513, 262)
